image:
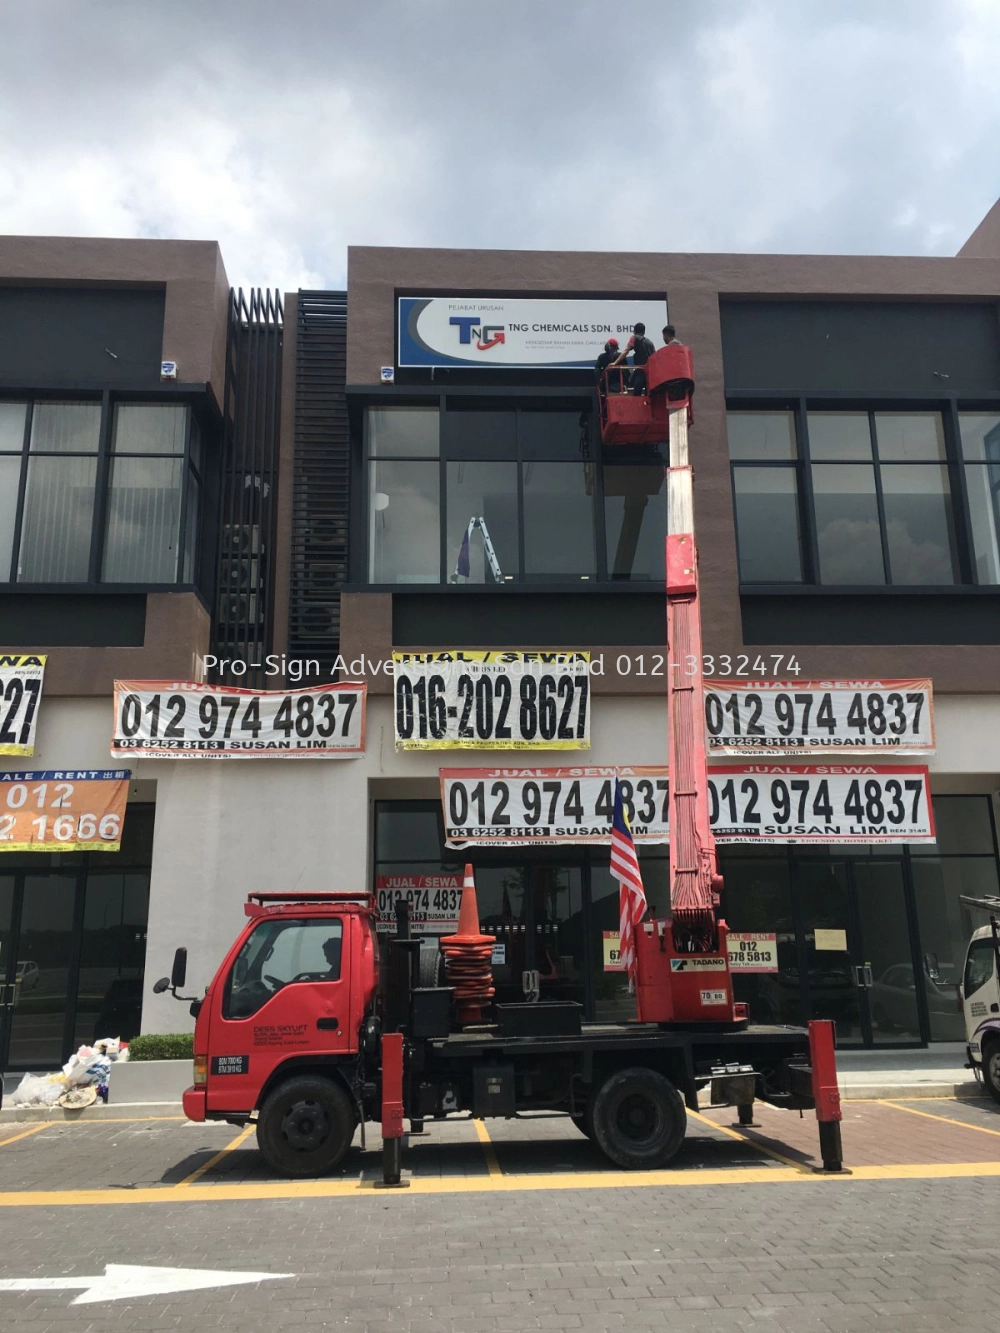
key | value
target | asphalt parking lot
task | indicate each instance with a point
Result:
(142, 1224)
(110, 1159)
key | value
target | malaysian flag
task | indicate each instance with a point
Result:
(632, 896)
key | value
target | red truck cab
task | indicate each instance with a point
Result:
(288, 1002)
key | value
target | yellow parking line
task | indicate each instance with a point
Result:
(618, 1180)
(752, 1143)
(943, 1119)
(489, 1152)
(240, 1139)
(26, 1133)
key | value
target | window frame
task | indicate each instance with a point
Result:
(516, 400)
(947, 407)
(108, 400)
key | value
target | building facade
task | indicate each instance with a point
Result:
(288, 500)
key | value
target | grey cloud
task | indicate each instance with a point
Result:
(288, 132)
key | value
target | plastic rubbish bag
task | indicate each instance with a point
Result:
(86, 1067)
(38, 1090)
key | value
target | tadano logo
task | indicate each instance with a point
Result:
(471, 326)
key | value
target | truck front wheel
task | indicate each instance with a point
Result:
(639, 1119)
(306, 1126)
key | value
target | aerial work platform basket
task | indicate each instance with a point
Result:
(628, 417)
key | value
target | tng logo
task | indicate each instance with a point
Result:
(470, 326)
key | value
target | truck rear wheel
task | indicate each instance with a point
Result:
(306, 1126)
(991, 1069)
(639, 1119)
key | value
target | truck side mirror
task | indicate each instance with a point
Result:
(160, 986)
(178, 973)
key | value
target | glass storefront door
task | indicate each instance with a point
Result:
(858, 953)
(828, 935)
(8, 963)
(889, 992)
(44, 953)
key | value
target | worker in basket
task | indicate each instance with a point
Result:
(612, 382)
(641, 349)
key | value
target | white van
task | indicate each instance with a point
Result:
(981, 996)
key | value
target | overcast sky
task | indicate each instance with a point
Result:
(290, 129)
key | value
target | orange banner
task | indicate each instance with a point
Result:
(63, 810)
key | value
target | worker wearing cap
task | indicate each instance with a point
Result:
(641, 350)
(607, 358)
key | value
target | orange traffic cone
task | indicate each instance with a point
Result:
(468, 956)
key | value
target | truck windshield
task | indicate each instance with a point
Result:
(279, 952)
(978, 965)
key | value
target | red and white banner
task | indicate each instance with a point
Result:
(508, 807)
(434, 902)
(158, 719)
(782, 719)
(789, 803)
(828, 803)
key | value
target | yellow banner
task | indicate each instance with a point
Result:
(20, 690)
(468, 699)
(63, 810)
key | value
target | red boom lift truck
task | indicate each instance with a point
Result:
(296, 1033)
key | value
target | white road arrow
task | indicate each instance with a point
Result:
(127, 1281)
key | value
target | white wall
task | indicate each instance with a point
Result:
(227, 827)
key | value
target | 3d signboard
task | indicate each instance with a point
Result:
(156, 719)
(466, 699)
(785, 718)
(20, 690)
(521, 333)
(63, 810)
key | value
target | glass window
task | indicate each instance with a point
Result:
(635, 520)
(761, 435)
(767, 517)
(65, 428)
(847, 526)
(945, 926)
(404, 523)
(403, 432)
(192, 527)
(963, 826)
(58, 518)
(979, 966)
(487, 494)
(144, 516)
(839, 436)
(149, 428)
(919, 524)
(277, 954)
(982, 483)
(12, 418)
(980, 436)
(551, 434)
(10, 475)
(472, 432)
(407, 830)
(558, 523)
(910, 436)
